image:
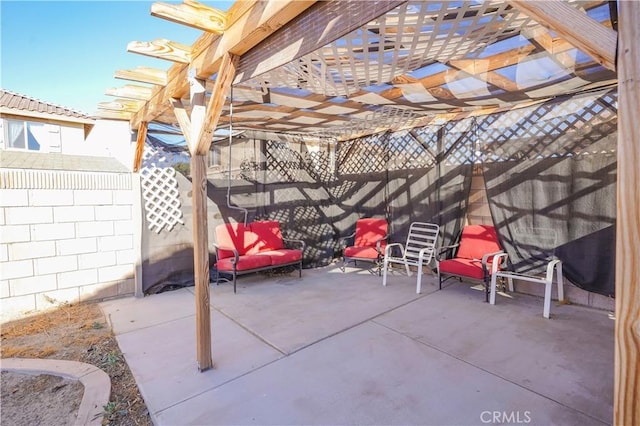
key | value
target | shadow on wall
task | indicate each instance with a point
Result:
(22, 307)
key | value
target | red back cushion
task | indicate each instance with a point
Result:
(231, 235)
(267, 236)
(369, 231)
(478, 240)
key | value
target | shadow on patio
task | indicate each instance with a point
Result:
(339, 348)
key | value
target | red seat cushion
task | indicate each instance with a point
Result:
(282, 256)
(369, 231)
(267, 236)
(232, 235)
(463, 267)
(244, 263)
(478, 240)
(361, 252)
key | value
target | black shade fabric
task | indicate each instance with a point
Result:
(550, 174)
(549, 169)
(318, 192)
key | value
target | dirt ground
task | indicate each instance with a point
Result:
(75, 333)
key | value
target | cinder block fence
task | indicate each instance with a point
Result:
(65, 236)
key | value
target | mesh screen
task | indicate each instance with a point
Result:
(551, 169)
(550, 173)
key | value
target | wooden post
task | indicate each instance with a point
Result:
(200, 225)
(201, 261)
(626, 405)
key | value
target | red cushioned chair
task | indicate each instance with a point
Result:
(476, 251)
(369, 241)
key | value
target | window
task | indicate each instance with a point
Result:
(214, 156)
(25, 135)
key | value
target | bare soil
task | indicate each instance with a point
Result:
(75, 333)
(39, 400)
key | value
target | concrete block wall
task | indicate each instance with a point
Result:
(64, 243)
(479, 214)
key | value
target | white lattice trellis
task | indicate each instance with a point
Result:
(161, 198)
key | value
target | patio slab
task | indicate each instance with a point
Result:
(561, 358)
(339, 348)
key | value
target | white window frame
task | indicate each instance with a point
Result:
(43, 144)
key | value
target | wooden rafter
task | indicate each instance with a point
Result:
(122, 105)
(142, 136)
(144, 75)
(216, 102)
(130, 91)
(256, 21)
(183, 120)
(192, 14)
(576, 27)
(302, 39)
(162, 49)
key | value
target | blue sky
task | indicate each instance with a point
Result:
(66, 52)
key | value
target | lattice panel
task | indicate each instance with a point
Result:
(365, 155)
(318, 165)
(161, 198)
(459, 142)
(561, 128)
(414, 34)
(407, 152)
(283, 163)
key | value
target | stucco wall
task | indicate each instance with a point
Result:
(64, 237)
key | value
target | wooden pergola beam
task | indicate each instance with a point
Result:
(142, 136)
(216, 102)
(626, 402)
(248, 24)
(144, 75)
(579, 29)
(123, 105)
(183, 120)
(162, 49)
(192, 14)
(130, 91)
(341, 17)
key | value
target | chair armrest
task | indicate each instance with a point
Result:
(379, 243)
(444, 249)
(343, 241)
(500, 258)
(387, 249)
(486, 257)
(299, 242)
(231, 249)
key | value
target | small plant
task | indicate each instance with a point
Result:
(184, 168)
(111, 358)
(109, 408)
(97, 325)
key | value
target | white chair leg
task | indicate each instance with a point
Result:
(510, 281)
(384, 273)
(419, 285)
(492, 296)
(560, 282)
(406, 266)
(547, 298)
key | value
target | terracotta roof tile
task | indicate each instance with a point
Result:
(21, 102)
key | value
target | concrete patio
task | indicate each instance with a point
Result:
(339, 348)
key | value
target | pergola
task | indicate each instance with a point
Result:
(337, 70)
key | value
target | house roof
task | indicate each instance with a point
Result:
(343, 69)
(58, 161)
(13, 103)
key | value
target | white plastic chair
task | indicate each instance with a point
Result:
(418, 250)
(546, 239)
